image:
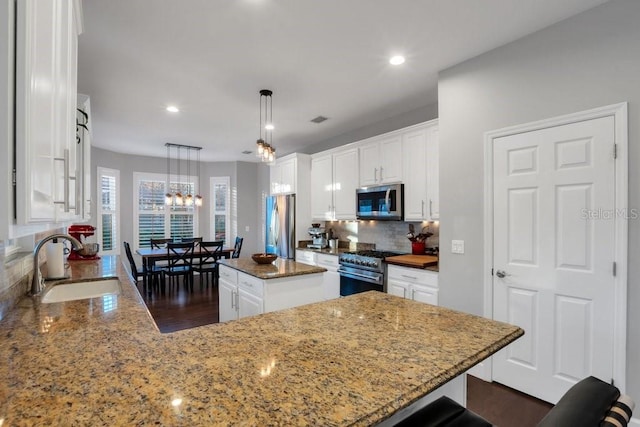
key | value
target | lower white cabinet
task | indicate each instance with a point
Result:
(331, 280)
(412, 283)
(242, 295)
(305, 257)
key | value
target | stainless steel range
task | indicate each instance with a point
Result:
(362, 271)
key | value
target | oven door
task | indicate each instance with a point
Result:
(354, 281)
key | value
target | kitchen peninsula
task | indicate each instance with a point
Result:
(347, 361)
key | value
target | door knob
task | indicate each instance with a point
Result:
(501, 274)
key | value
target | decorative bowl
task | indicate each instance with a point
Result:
(264, 258)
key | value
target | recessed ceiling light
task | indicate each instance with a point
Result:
(172, 109)
(396, 60)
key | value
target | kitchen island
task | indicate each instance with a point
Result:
(348, 361)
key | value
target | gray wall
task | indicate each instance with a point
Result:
(243, 178)
(587, 61)
(419, 115)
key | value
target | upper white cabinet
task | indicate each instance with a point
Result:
(45, 118)
(381, 161)
(334, 179)
(420, 152)
(283, 176)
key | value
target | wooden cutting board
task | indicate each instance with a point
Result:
(418, 261)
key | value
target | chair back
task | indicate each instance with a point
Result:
(210, 252)
(237, 247)
(179, 254)
(132, 262)
(191, 239)
(159, 243)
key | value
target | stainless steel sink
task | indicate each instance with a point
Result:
(82, 290)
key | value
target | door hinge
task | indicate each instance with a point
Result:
(615, 151)
(13, 177)
(492, 271)
(615, 268)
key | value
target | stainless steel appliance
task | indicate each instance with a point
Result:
(385, 202)
(362, 271)
(281, 225)
(319, 238)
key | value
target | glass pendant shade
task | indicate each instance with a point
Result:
(264, 150)
(198, 201)
(168, 199)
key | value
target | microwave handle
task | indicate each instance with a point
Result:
(386, 200)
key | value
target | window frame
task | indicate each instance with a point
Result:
(212, 211)
(115, 173)
(158, 177)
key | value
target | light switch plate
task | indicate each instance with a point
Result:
(457, 246)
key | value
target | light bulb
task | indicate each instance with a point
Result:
(168, 199)
(188, 201)
(198, 201)
(179, 199)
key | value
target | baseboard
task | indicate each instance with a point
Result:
(634, 422)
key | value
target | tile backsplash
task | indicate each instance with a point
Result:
(387, 235)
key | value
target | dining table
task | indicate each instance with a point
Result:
(152, 255)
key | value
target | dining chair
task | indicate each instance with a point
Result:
(191, 239)
(210, 253)
(159, 243)
(237, 247)
(180, 256)
(149, 278)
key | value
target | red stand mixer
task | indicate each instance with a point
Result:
(89, 251)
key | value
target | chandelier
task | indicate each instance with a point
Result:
(178, 199)
(265, 150)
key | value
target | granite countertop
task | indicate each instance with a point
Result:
(277, 269)
(348, 361)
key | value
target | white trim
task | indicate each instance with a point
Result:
(634, 421)
(619, 112)
(227, 226)
(115, 174)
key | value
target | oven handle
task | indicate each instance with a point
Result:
(359, 276)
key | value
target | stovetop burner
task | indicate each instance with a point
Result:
(374, 253)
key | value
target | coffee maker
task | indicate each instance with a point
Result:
(319, 237)
(89, 251)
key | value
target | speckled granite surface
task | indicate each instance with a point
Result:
(349, 361)
(277, 269)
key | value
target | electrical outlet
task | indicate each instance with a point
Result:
(457, 246)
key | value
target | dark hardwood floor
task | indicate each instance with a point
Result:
(500, 405)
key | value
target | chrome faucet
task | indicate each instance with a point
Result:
(37, 284)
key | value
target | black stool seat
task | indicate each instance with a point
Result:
(443, 412)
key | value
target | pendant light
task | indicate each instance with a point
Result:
(179, 198)
(168, 197)
(264, 147)
(198, 201)
(188, 200)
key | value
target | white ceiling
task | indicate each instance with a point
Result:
(320, 57)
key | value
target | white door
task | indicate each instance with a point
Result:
(227, 301)
(553, 255)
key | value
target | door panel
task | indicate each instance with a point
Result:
(552, 190)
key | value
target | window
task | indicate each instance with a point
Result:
(109, 211)
(155, 220)
(220, 211)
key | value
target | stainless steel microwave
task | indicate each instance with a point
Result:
(385, 202)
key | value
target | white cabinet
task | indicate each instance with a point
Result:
(420, 152)
(334, 179)
(83, 160)
(412, 283)
(331, 279)
(45, 92)
(283, 176)
(381, 161)
(305, 257)
(242, 295)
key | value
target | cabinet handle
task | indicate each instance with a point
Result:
(430, 208)
(380, 173)
(375, 174)
(423, 208)
(233, 299)
(413, 292)
(65, 161)
(409, 277)
(237, 301)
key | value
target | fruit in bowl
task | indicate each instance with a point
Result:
(264, 258)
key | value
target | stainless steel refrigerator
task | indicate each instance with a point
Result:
(281, 225)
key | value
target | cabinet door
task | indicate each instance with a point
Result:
(305, 257)
(331, 285)
(227, 301)
(249, 305)
(433, 174)
(288, 177)
(390, 160)
(322, 188)
(275, 176)
(414, 145)
(36, 43)
(369, 164)
(424, 294)
(397, 288)
(345, 182)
